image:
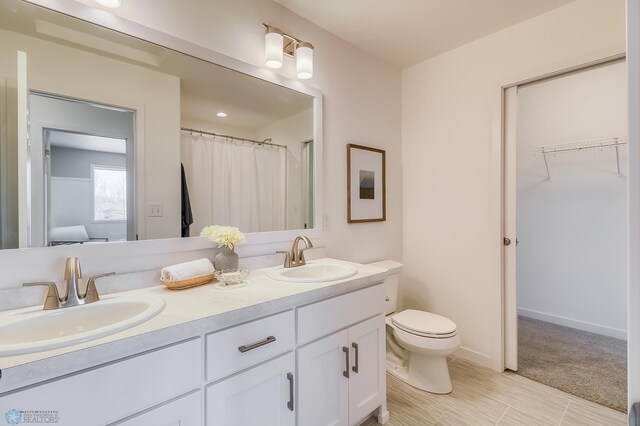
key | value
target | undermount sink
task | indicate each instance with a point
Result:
(35, 330)
(313, 273)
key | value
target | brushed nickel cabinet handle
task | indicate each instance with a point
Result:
(345, 373)
(290, 403)
(355, 367)
(246, 348)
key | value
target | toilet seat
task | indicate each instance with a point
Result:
(424, 324)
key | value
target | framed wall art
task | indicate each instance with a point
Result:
(366, 184)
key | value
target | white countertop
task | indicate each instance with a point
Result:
(188, 313)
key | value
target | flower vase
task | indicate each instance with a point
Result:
(226, 259)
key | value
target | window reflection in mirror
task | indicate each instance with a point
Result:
(256, 174)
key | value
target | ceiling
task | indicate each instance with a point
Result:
(406, 32)
(87, 142)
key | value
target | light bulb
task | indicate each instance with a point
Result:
(304, 60)
(273, 44)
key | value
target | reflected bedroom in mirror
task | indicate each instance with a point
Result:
(105, 137)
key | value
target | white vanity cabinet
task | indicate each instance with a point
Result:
(341, 377)
(317, 364)
(263, 395)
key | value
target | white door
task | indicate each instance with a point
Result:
(186, 411)
(509, 230)
(367, 382)
(323, 385)
(263, 395)
(24, 204)
(633, 342)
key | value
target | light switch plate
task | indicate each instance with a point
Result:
(155, 210)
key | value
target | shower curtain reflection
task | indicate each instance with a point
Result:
(234, 183)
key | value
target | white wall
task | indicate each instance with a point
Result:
(451, 167)
(571, 260)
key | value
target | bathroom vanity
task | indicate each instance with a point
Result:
(270, 353)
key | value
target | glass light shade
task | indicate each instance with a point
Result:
(304, 60)
(109, 3)
(273, 44)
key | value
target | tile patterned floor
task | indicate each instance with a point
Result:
(482, 396)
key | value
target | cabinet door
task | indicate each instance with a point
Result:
(261, 396)
(367, 384)
(186, 411)
(322, 382)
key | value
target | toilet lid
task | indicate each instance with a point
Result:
(424, 323)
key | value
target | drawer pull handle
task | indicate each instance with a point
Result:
(345, 373)
(246, 348)
(355, 367)
(290, 403)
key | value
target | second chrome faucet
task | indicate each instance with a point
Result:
(72, 297)
(296, 256)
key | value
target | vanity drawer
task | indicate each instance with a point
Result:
(323, 318)
(240, 347)
(112, 392)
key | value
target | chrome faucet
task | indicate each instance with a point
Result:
(296, 256)
(73, 297)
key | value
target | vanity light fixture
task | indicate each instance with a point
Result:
(221, 114)
(273, 42)
(278, 43)
(110, 3)
(304, 60)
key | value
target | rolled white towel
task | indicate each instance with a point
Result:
(183, 271)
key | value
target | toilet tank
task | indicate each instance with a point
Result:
(391, 283)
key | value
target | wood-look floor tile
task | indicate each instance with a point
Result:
(450, 419)
(516, 416)
(585, 413)
(482, 396)
(533, 400)
(410, 405)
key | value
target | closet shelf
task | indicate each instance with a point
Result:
(603, 143)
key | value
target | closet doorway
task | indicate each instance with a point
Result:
(565, 209)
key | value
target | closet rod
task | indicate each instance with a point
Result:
(264, 142)
(615, 142)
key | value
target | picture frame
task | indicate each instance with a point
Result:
(366, 184)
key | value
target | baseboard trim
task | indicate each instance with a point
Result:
(475, 357)
(569, 322)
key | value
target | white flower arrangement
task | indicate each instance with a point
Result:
(224, 236)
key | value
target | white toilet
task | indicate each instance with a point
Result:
(418, 342)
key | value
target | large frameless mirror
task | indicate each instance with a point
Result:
(128, 140)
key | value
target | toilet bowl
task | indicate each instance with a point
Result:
(426, 339)
(418, 342)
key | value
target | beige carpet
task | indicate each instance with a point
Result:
(587, 365)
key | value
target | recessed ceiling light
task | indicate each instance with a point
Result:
(221, 114)
(109, 3)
